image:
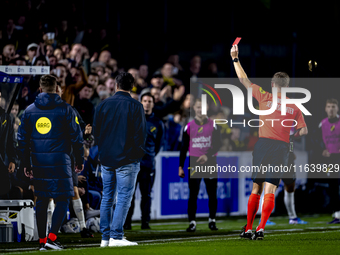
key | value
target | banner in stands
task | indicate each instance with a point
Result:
(170, 192)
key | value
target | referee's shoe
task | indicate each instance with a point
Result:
(258, 235)
(246, 235)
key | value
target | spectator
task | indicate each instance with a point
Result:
(102, 92)
(143, 72)
(49, 50)
(15, 109)
(167, 72)
(157, 80)
(32, 50)
(53, 61)
(65, 48)
(174, 60)
(192, 74)
(99, 68)
(105, 57)
(162, 109)
(19, 61)
(8, 148)
(79, 81)
(58, 54)
(8, 53)
(83, 104)
(110, 84)
(108, 71)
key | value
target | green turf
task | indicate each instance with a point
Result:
(170, 238)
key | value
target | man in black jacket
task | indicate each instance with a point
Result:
(146, 176)
(7, 148)
(119, 128)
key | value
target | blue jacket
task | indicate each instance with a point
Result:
(48, 133)
(119, 130)
(154, 140)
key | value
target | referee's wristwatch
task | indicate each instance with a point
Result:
(235, 60)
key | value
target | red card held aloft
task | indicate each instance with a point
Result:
(238, 39)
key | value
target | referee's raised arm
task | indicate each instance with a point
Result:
(238, 68)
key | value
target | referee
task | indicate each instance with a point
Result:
(272, 148)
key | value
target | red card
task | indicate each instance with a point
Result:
(238, 39)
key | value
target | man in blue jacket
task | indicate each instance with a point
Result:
(119, 129)
(48, 133)
(146, 176)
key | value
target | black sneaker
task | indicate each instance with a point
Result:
(54, 245)
(85, 233)
(212, 225)
(258, 235)
(42, 247)
(191, 228)
(244, 234)
(145, 226)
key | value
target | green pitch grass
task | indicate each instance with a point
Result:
(169, 237)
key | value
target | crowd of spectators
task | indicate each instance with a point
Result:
(85, 66)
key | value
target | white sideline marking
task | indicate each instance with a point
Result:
(190, 239)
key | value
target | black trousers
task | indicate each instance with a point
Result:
(146, 179)
(334, 194)
(194, 187)
(58, 217)
(334, 182)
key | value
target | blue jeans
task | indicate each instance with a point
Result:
(118, 188)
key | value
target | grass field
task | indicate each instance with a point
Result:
(169, 237)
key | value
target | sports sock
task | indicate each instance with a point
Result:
(290, 204)
(212, 220)
(268, 206)
(52, 237)
(50, 210)
(78, 209)
(253, 206)
(193, 222)
(43, 240)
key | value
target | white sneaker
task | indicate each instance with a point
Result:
(104, 243)
(130, 243)
(124, 242)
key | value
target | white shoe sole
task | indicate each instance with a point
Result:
(54, 247)
(122, 243)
